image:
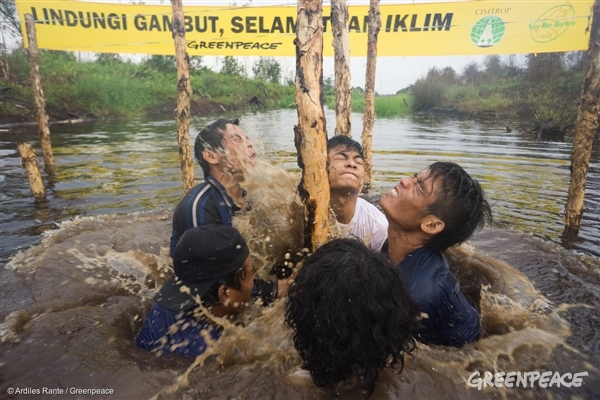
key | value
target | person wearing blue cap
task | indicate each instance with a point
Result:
(212, 268)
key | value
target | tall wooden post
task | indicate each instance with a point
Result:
(587, 126)
(369, 113)
(310, 135)
(4, 61)
(341, 47)
(38, 96)
(184, 94)
(29, 162)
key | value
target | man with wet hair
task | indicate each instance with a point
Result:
(354, 215)
(212, 268)
(224, 151)
(433, 210)
(351, 315)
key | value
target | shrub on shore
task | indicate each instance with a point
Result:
(544, 88)
(112, 88)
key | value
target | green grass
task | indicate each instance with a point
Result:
(117, 89)
(552, 101)
(385, 106)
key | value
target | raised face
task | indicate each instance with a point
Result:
(237, 299)
(346, 170)
(406, 204)
(237, 148)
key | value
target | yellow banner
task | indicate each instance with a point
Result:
(462, 28)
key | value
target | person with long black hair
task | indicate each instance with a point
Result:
(351, 315)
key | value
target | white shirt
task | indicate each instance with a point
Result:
(368, 224)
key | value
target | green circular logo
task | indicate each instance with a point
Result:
(487, 31)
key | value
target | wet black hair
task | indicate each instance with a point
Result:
(210, 138)
(232, 280)
(351, 314)
(343, 140)
(459, 202)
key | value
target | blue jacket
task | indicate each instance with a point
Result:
(187, 340)
(450, 320)
(209, 203)
(204, 204)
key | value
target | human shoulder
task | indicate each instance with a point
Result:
(369, 224)
(425, 258)
(366, 211)
(423, 270)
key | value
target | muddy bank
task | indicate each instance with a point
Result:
(507, 121)
(24, 111)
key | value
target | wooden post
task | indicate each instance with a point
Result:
(310, 135)
(4, 61)
(587, 126)
(341, 46)
(184, 94)
(38, 95)
(369, 113)
(29, 161)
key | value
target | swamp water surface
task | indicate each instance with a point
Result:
(78, 273)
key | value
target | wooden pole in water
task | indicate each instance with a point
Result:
(29, 161)
(587, 126)
(38, 95)
(184, 94)
(341, 46)
(369, 113)
(310, 135)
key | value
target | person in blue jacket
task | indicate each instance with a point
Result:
(433, 210)
(224, 152)
(212, 268)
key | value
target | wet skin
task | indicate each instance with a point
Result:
(406, 204)
(346, 170)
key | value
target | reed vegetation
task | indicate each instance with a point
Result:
(112, 88)
(399, 105)
(544, 89)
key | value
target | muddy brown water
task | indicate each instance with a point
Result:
(78, 273)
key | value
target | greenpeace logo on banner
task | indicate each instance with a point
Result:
(553, 23)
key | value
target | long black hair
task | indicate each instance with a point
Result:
(351, 314)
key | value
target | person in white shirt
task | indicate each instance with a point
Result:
(355, 216)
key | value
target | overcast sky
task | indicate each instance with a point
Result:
(393, 73)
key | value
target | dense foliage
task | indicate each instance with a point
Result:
(110, 87)
(543, 87)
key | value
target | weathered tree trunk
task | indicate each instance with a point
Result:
(369, 114)
(38, 96)
(184, 94)
(310, 135)
(587, 126)
(341, 46)
(5, 69)
(29, 162)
